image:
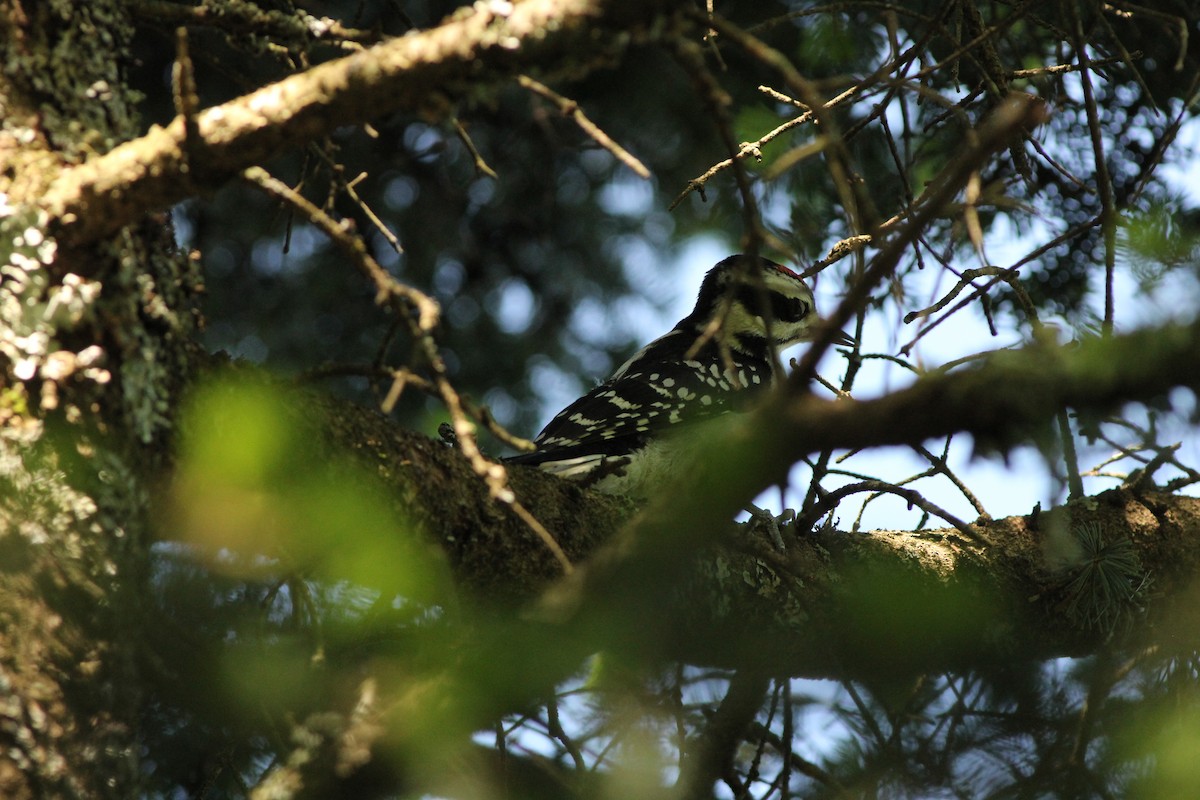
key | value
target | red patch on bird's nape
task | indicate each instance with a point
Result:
(786, 270)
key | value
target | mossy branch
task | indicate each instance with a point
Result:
(665, 558)
(467, 56)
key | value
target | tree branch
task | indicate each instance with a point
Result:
(470, 53)
(742, 602)
(652, 563)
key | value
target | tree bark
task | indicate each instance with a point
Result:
(92, 369)
(694, 587)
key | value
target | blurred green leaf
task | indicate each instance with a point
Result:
(895, 620)
(255, 482)
(1157, 241)
(1166, 743)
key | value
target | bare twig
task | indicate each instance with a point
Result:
(1179, 23)
(846, 247)
(1074, 478)
(940, 465)
(1108, 213)
(187, 101)
(838, 157)
(750, 149)
(1064, 69)
(570, 108)
(481, 166)
(691, 57)
(714, 754)
(830, 501)
(1008, 275)
(380, 225)
(338, 173)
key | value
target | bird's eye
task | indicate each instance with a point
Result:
(788, 309)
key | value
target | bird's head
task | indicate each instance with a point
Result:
(767, 302)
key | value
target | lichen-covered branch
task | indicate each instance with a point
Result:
(1000, 403)
(469, 54)
(1018, 568)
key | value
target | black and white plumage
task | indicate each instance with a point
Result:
(616, 438)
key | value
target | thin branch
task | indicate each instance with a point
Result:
(555, 729)
(380, 225)
(481, 166)
(967, 278)
(187, 101)
(1070, 456)
(1064, 69)
(846, 247)
(1108, 213)
(1178, 22)
(748, 149)
(829, 501)
(691, 57)
(939, 464)
(570, 108)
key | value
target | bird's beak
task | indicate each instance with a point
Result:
(840, 338)
(844, 339)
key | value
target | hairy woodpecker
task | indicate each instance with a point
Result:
(621, 436)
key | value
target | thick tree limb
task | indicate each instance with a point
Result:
(1002, 402)
(652, 565)
(470, 53)
(878, 607)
